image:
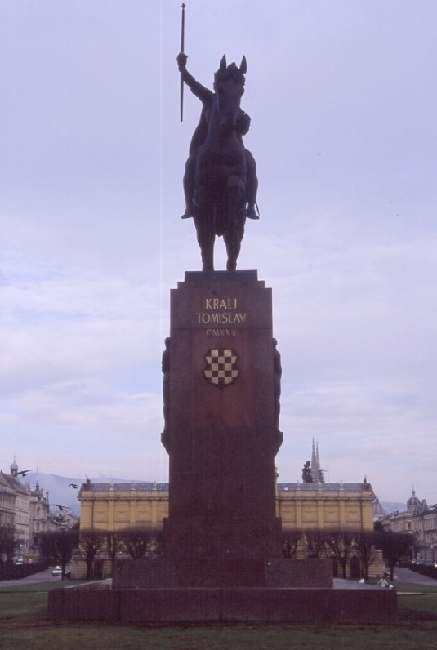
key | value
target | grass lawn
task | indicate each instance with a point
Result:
(409, 587)
(23, 627)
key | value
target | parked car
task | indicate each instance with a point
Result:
(57, 571)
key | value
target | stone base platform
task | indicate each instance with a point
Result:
(203, 605)
(158, 573)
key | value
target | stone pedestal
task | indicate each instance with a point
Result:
(278, 573)
(221, 434)
(136, 606)
(222, 541)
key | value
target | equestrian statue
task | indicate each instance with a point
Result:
(220, 180)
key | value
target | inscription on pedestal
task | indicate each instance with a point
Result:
(221, 311)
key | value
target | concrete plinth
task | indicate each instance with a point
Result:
(274, 573)
(222, 605)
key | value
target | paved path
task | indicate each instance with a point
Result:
(41, 576)
(401, 574)
(340, 583)
(405, 575)
(415, 578)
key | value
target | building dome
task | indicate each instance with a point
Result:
(37, 491)
(413, 503)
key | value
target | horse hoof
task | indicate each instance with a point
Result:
(252, 212)
(231, 265)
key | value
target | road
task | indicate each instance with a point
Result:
(415, 578)
(42, 576)
(401, 574)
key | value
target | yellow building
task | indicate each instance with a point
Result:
(325, 506)
(117, 506)
(303, 507)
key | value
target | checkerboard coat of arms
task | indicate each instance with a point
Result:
(221, 367)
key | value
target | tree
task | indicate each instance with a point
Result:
(154, 547)
(316, 543)
(290, 543)
(90, 541)
(113, 544)
(58, 546)
(365, 550)
(140, 542)
(136, 541)
(340, 542)
(393, 546)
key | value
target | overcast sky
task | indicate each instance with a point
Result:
(343, 100)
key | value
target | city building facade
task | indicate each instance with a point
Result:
(7, 502)
(21, 508)
(425, 527)
(38, 520)
(328, 507)
(420, 520)
(29, 514)
(117, 506)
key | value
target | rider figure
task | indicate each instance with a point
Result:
(206, 96)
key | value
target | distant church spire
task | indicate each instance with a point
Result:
(313, 456)
(316, 472)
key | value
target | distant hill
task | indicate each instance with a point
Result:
(392, 506)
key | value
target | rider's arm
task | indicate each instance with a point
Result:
(204, 94)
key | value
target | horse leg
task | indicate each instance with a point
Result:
(206, 238)
(207, 249)
(235, 227)
(233, 249)
(204, 222)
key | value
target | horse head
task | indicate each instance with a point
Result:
(229, 87)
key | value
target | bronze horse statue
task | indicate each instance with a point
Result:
(220, 174)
